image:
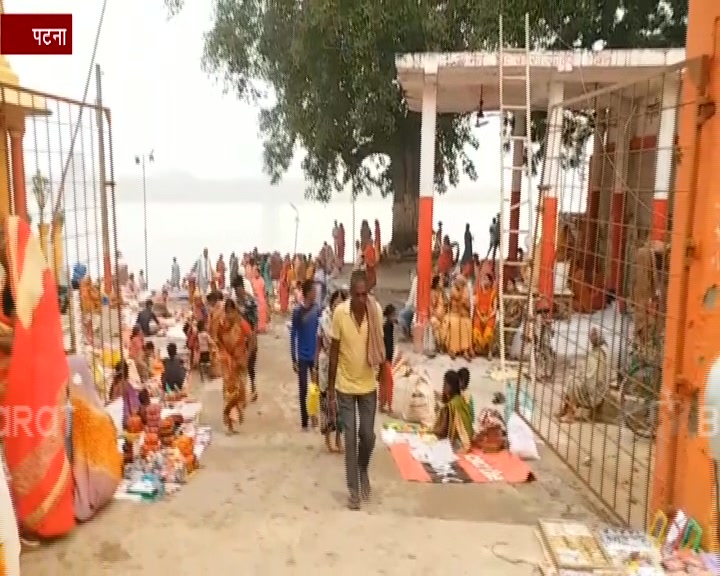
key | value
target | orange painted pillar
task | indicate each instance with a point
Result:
(516, 187)
(664, 159)
(18, 173)
(683, 475)
(549, 189)
(425, 215)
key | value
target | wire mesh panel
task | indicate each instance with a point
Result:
(53, 143)
(608, 276)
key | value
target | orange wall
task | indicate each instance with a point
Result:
(683, 473)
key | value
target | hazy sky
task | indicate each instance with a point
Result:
(159, 96)
(152, 80)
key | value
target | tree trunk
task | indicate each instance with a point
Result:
(406, 196)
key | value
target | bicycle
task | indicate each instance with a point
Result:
(639, 389)
(542, 342)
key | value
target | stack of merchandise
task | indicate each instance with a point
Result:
(165, 450)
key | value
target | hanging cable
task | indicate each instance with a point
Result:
(58, 202)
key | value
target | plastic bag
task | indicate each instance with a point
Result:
(312, 402)
(521, 438)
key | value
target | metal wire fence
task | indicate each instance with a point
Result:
(596, 391)
(70, 204)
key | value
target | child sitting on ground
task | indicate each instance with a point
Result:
(464, 377)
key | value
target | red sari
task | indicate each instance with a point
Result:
(370, 265)
(35, 378)
(284, 287)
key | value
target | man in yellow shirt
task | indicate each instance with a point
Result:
(353, 380)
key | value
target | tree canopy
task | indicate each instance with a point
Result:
(324, 74)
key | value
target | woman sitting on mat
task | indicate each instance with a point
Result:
(454, 420)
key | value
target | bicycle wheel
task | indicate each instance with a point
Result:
(638, 408)
(548, 362)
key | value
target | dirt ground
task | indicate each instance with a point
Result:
(270, 499)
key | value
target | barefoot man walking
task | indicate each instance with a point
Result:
(357, 352)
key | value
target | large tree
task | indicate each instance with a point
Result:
(324, 74)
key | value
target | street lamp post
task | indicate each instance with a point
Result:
(140, 160)
(297, 225)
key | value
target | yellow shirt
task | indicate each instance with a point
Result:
(354, 374)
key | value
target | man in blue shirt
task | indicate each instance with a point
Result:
(79, 272)
(303, 343)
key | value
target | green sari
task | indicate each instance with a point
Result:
(455, 422)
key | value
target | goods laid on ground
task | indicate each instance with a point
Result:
(161, 447)
(575, 549)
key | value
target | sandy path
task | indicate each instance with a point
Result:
(271, 499)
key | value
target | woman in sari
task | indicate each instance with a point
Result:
(445, 260)
(233, 338)
(33, 375)
(454, 421)
(258, 285)
(370, 258)
(485, 311)
(220, 271)
(96, 462)
(329, 421)
(284, 284)
(438, 310)
(588, 391)
(215, 316)
(458, 325)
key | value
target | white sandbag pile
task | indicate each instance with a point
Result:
(413, 393)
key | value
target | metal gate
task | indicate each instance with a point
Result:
(56, 152)
(597, 383)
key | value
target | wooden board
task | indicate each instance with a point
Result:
(573, 536)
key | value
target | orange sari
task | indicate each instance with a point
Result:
(35, 377)
(483, 318)
(370, 265)
(232, 342)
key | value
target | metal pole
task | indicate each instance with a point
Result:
(145, 222)
(107, 269)
(297, 226)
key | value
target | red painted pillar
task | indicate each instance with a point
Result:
(660, 217)
(18, 173)
(425, 215)
(546, 278)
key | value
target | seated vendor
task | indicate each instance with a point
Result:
(145, 316)
(160, 304)
(454, 420)
(174, 372)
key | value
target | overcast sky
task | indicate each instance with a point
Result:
(162, 100)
